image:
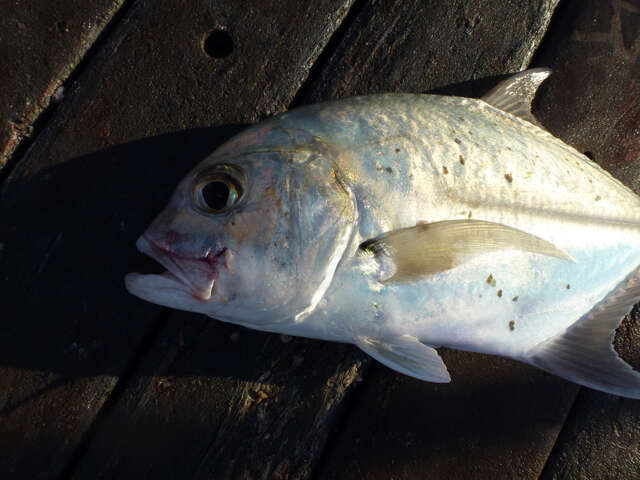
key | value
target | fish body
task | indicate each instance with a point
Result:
(402, 223)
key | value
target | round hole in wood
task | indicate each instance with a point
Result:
(217, 44)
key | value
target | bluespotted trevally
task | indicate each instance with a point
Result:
(401, 223)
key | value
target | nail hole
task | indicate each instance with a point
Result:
(590, 155)
(217, 44)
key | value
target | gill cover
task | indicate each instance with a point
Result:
(322, 223)
(289, 231)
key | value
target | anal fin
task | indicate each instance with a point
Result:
(406, 354)
(584, 353)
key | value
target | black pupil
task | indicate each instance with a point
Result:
(216, 195)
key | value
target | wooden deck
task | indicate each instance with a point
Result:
(95, 383)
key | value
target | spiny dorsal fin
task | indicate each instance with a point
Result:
(406, 354)
(410, 253)
(584, 353)
(515, 94)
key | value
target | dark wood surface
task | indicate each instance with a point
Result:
(41, 43)
(149, 106)
(499, 419)
(597, 48)
(95, 383)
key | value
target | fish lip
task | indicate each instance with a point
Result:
(197, 274)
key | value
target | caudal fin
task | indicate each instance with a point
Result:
(584, 353)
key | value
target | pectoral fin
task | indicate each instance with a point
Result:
(406, 354)
(428, 248)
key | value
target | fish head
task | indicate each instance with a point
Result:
(252, 238)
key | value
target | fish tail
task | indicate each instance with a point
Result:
(584, 353)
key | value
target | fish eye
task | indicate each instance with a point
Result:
(217, 192)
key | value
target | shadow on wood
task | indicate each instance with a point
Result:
(85, 214)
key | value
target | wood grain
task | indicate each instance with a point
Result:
(41, 43)
(150, 104)
(595, 52)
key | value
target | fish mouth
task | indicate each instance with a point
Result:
(194, 275)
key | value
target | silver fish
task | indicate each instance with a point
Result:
(401, 223)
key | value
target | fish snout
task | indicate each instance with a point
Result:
(196, 268)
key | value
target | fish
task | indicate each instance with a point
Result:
(402, 223)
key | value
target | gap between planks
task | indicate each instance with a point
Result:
(150, 338)
(160, 322)
(145, 345)
(48, 113)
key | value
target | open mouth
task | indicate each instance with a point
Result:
(196, 275)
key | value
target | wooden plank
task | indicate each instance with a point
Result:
(40, 45)
(498, 419)
(212, 400)
(282, 399)
(596, 50)
(101, 169)
(418, 46)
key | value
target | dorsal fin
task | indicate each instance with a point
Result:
(515, 94)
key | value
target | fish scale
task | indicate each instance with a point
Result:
(545, 201)
(548, 177)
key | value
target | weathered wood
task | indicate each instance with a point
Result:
(40, 45)
(415, 46)
(481, 433)
(100, 170)
(218, 401)
(278, 406)
(598, 113)
(595, 49)
(497, 420)
(210, 400)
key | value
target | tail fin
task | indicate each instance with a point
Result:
(584, 353)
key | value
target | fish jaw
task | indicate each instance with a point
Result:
(188, 283)
(163, 289)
